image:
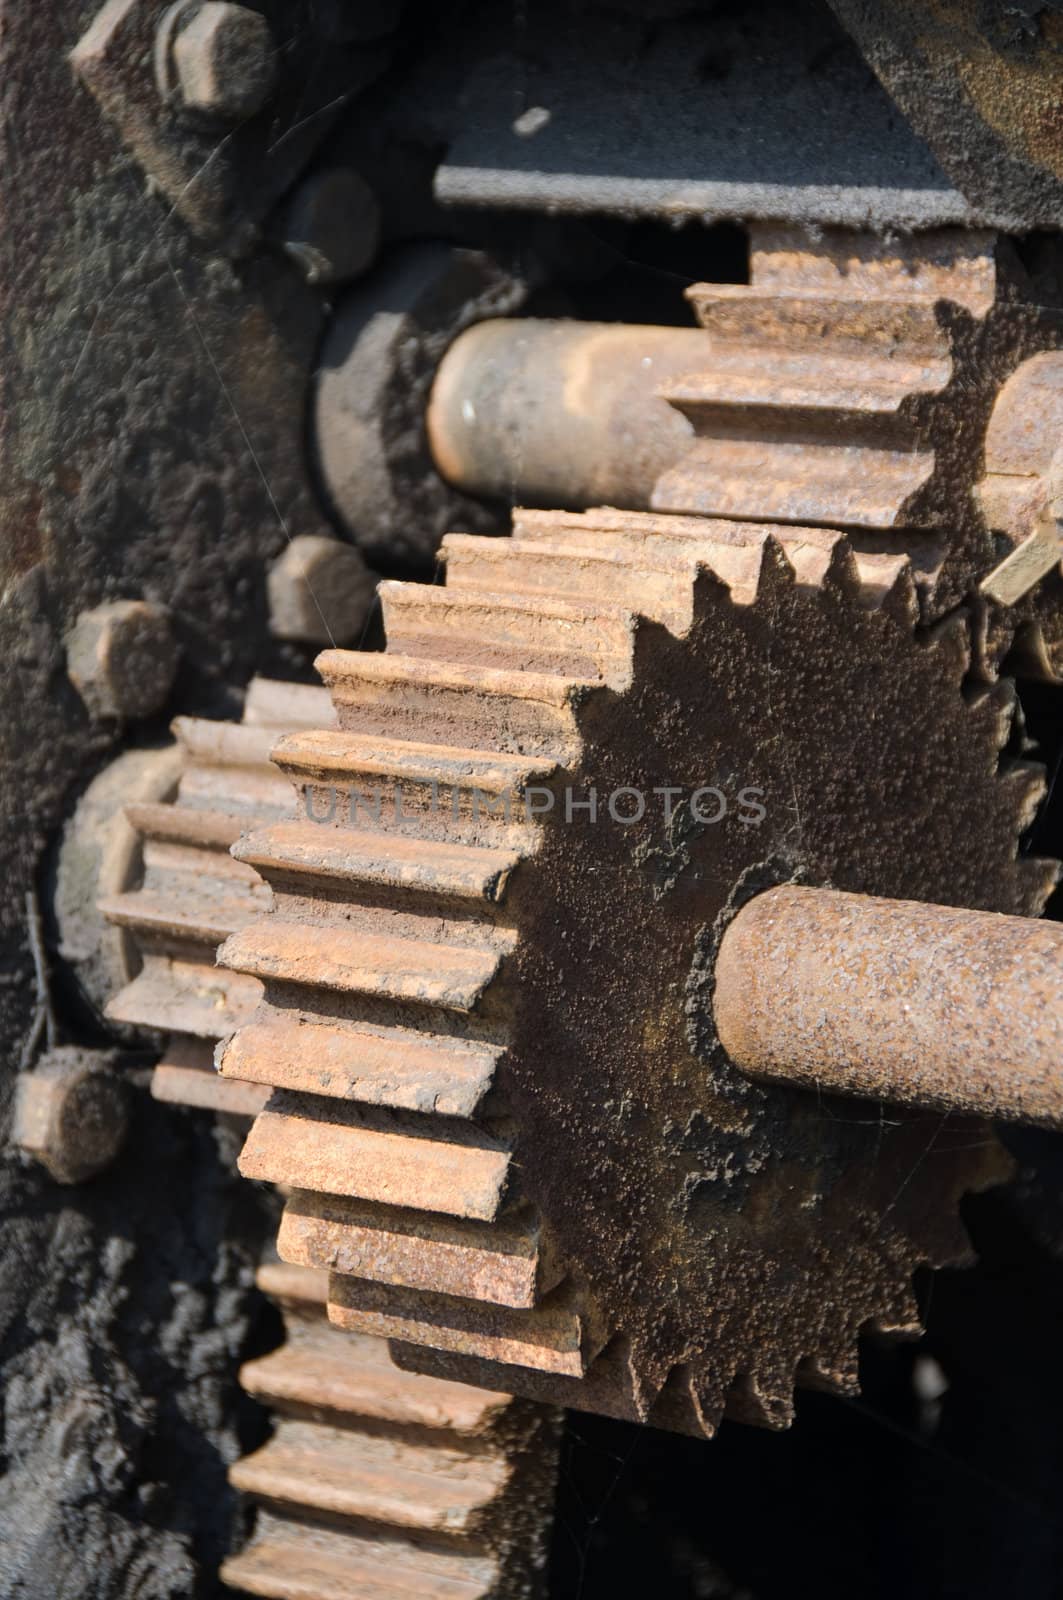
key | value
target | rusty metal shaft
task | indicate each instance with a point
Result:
(922, 1005)
(561, 413)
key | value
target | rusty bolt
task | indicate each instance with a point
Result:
(122, 657)
(332, 227)
(224, 60)
(320, 592)
(71, 1113)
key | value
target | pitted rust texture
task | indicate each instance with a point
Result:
(918, 1005)
(565, 1006)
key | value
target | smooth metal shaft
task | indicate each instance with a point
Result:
(561, 413)
(893, 1000)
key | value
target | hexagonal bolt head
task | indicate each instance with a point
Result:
(332, 226)
(71, 1113)
(320, 591)
(224, 61)
(122, 657)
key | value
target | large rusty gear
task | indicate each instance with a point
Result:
(512, 1133)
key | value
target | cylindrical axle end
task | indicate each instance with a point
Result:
(560, 413)
(893, 1000)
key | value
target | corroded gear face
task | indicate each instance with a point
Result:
(576, 1168)
(743, 1231)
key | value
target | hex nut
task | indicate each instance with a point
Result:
(71, 1113)
(122, 657)
(224, 61)
(320, 592)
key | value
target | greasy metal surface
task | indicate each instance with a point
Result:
(560, 413)
(675, 1194)
(920, 1005)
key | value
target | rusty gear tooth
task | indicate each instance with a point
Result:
(838, 1376)
(950, 642)
(1027, 783)
(345, 1149)
(193, 893)
(508, 1263)
(555, 1336)
(453, 703)
(829, 393)
(184, 1076)
(842, 575)
(994, 705)
(762, 1400)
(808, 406)
(402, 1068)
(373, 1474)
(900, 600)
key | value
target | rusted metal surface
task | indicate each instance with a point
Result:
(224, 60)
(71, 1113)
(852, 383)
(122, 657)
(381, 1480)
(191, 894)
(570, 961)
(560, 413)
(321, 591)
(349, 1150)
(818, 397)
(374, 1477)
(101, 855)
(847, 385)
(961, 1011)
(507, 1263)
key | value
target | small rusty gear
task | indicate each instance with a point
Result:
(862, 383)
(511, 1131)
